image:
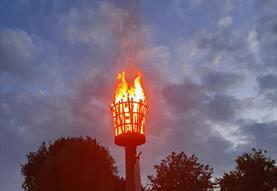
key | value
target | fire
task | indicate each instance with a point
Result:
(129, 106)
(124, 92)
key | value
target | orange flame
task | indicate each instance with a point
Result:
(124, 92)
(129, 107)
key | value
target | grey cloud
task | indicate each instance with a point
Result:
(229, 49)
(185, 97)
(218, 41)
(181, 8)
(268, 82)
(88, 25)
(268, 89)
(34, 116)
(272, 99)
(112, 30)
(17, 50)
(220, 81)
(266, 23)
(225, 22)
(216, 151)
(222, 108)
(191, 98)
(262, 135)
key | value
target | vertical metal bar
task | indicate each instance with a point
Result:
(132, 169)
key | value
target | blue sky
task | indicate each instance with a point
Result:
(210, 69)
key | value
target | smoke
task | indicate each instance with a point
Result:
(130, 38)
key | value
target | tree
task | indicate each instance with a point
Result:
(71, 164)
(253, 172)
(179, 172)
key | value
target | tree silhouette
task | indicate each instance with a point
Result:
(71, 164)
(179, 172)
(253, 172)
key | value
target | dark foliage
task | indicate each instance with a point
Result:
(179, 172)
(71, 164)
(253, 172)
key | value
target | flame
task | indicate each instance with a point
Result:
(124, 92)
(129, 106)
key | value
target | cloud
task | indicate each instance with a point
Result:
(228, 6)
(17, 50)
(262, 135)
(267, 89)
(184, 9)
(266, 23)
(225, 22)
(253, 41)
(185, 97)
(220, 81)
(222, 108)
(219, 50)
(89, 25)
(268, 82)
(179, 7)
(216, 145)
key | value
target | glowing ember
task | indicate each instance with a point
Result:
(129, 107)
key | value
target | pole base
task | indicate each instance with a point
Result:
(133, 182)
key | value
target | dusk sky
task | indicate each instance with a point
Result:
(209, 67)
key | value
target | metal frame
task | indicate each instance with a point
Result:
(129, 116)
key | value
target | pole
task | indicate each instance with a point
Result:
(132, 169)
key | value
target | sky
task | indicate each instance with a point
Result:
(209, 69)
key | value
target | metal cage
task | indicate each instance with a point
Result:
(129, 121)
